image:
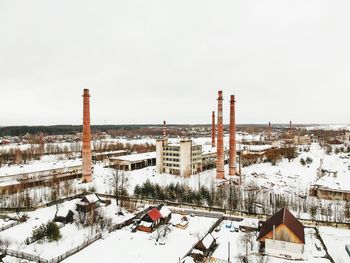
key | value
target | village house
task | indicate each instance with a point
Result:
(282, 235)
(332, 186)
(153, 218)
(88, 203)
(302, 140)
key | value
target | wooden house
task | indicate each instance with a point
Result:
(150, 220)
(282, 235)
(88, 203)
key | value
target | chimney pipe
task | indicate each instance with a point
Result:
(213, 129)
(232, 159)
(164, 130)
(269, 132)
(220, 173)
(86, 151)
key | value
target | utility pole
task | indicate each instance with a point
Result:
(228, 256)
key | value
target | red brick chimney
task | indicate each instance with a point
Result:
(220, 173)
(232, 158)
(164, 130)
(213, 129)
(86, 153)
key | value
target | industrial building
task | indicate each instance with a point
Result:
(61, 171)
(104, 156)
(184, 158)
(134, 161)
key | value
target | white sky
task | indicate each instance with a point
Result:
(146, 61)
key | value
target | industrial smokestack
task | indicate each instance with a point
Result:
(213, 129)
(290, 124)
(86, 152)
(269, 131)
(220, 173)
(232, 158)
(164, 130)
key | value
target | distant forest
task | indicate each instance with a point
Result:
(149, 129)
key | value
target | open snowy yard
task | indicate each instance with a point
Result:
(140, 247)
(335, 240)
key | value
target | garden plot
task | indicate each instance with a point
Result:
(126, 246)
(73, 235)
(229, 234)
(335, 240)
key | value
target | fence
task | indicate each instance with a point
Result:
(23, 255)
(9, 226)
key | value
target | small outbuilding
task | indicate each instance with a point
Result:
(204, 247)
(88, 203)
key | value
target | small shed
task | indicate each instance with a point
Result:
(88, 203)
(165, 212)
(206, 245)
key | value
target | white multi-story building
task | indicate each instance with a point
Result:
(183, 158)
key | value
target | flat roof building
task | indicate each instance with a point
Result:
(134, 161)
(184, 158)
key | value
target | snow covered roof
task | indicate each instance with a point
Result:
(145, 224)
(340, 182)
(208, 240)
(249, 222)
(136, 157)
(38, 167)
(91, 198)
(188, 259)
(164, 211)
(111, 152)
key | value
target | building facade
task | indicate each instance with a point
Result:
(184, 158)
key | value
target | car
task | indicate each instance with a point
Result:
(217, 229)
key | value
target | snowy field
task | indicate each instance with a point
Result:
(285, 177)
(140, 247)
(293, 177)
(335, 240)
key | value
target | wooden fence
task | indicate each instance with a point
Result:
(15, 223)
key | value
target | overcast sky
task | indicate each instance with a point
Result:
(148, 61)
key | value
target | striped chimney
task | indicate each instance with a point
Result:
(220, 173)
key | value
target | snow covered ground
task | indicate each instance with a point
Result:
(73, 235)
(227, 235)
(335, 240)
(140, 247)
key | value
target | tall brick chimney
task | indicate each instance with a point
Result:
(213, 130)
(86, 153)
(164, 130)
(220, 173)
(232, 158)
